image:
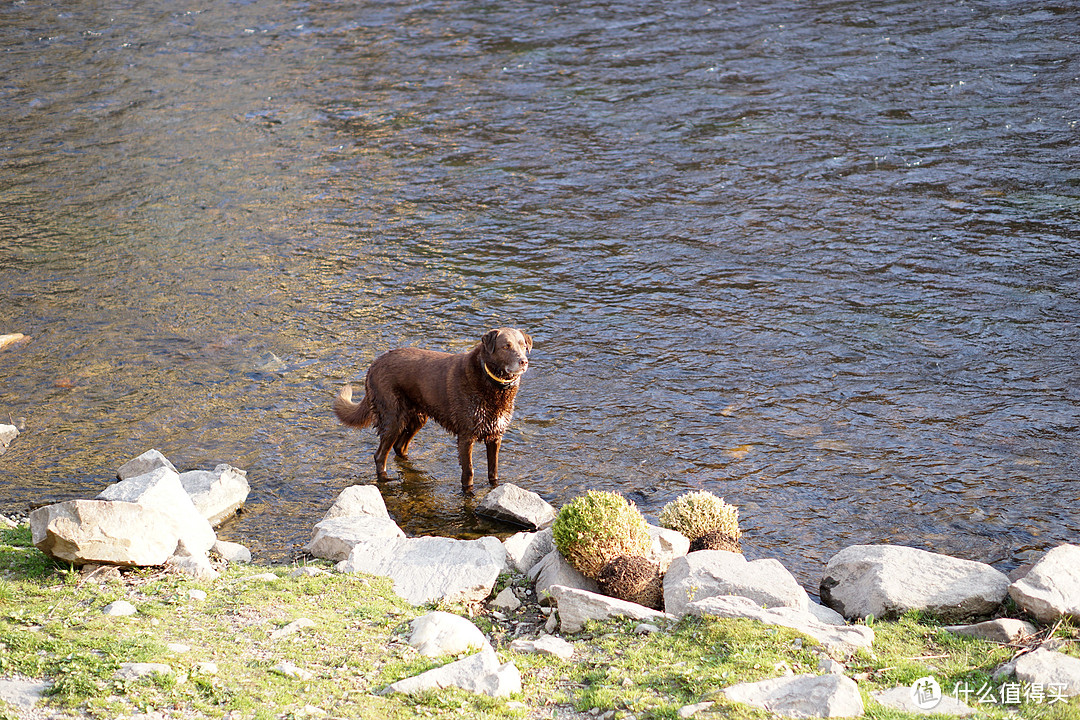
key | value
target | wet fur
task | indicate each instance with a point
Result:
(407, 386)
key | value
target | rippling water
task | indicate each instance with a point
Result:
(819, 258)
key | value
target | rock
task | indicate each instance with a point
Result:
(269, 363)
(511, 504)
(231, 552)
(134, 671)
(7, 522)
(505, 601)
(161, 490)
(888, 580)
(709, 573)
(335, 538)
(688, 711)
(196, 566)
(442, 633)
(358, 500)
(22, 694)
(218, 494)
(196, 594)
(1002, 630)
(1051, 589)
(544, 645)
(1057, 673)
(553, 570)
(903, 698)
(525, 549)
(294, 627)
(827, 665)
(634, 579)
(291, 670)
(426, 569)
(147, 462)
(666, 546)
(178, 648)
(101, 531)
(645, 629)
(307, 571)
(119, 608)
(846, 638)
(99, 574)
(7, 434)
(826, 614)
(576, 607)
(801, 696)
(478, 673)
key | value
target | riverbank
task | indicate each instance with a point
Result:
(232, 647)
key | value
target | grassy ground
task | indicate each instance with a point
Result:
(52, 628)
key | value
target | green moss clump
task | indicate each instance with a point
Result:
(598, 527)
(696, 514)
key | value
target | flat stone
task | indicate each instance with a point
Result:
(511, 504)
(525, 549)
(478, 673)
(846, 638)
(103, 531)
(119, 608)
(505, 601)
(552, 570)
(147, 462)
(576, 607)
(358, 500)
(902, 698)
(1002, 630)
(801, 696)
(23, 694)
(134, 671)
(441, 633)
(290, 669)
(292, 628)
(162, 490)
(307, 571)
(1051, 589)
(1057, 673)
(710, 573)
(196, 566)
(218, 494)
(689, 711)
(544, 645)
(666, 546)
(427, 569)
(888, 580)
(336, 537)
(231, 552)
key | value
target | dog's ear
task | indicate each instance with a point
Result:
(528, 341)
(489, 340)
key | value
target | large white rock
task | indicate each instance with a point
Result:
(802, 696)
(1051, 589)
(525, 549)
(576, 607)
(442, 633)
(666, 546)
(426, 569)
(552, 570)
(7, 434)
(102, 531)
(478, 673)
(901, 698)
(1057, 673)
(509, 503)
(844, 638)
(161, 489)
(710, 573)
(358, 500)
(147, 462)
(217, 494)
(335, 538)
(544, 645)
(888, 580)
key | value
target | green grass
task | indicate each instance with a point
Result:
(52, 627)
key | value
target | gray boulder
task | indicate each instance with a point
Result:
(1051, 589)
(358, 500)
(7, 434)
(901, 698)
(888, 580)
(161, 490)
(553, 570)
(576, 607)
(441, 633)
(842, 638)
(147, 462)
(231, 552)
(710, 573)
(480, 673)
(511, 504)
(22, 695)
(544, 645)
(1002, 630)
(102, 531)
(525, 549)
(802, 696)
(217, 494)
(1057, 673)
(426, 569)
(666, 546)
(335, 538)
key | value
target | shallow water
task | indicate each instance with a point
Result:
(822, 261)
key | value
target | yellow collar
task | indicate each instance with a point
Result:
(493, 376)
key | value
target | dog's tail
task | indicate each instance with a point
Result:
(353, 414)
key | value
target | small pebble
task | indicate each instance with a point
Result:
(120, 608)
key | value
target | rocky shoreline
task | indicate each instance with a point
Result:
(157, 516)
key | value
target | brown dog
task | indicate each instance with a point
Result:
(470, 394)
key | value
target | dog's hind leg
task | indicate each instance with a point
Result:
(412, 426)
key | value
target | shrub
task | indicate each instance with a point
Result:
(634, 579)
(598, 527)
(696, 514)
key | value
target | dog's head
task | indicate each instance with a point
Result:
(506, 354)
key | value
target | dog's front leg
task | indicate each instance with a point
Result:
(493, 460)
(464, 449)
